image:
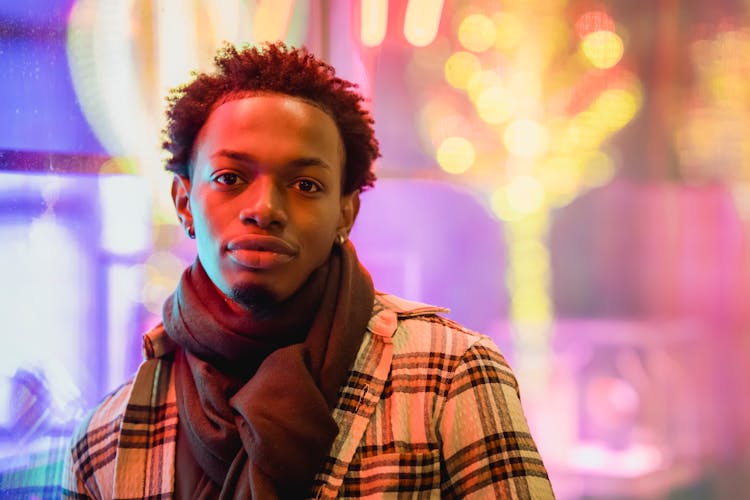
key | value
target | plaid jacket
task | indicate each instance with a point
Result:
(429, 410)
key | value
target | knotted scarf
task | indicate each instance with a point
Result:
(255, 389)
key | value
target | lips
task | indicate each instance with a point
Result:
(258, 251)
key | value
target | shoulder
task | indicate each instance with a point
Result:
(425, 339)
(423, 327)
(116, 421)
(108, 414)
(98, 429)
(94, 444)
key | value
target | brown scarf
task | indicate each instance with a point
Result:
(255, 390)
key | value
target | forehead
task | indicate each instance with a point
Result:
(271, 126)
(279, 112)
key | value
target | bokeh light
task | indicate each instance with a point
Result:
(500, 206)
(525, 194)
(583, 133)
(477, 33)
(615, 108)
(455, 155)
(373, 21)
(603, 49)
(561, 178)
(421, 21)
(528, 280)
(460, 67)
(495, 105)
(526, 138)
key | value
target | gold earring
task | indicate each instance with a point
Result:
(340, 239)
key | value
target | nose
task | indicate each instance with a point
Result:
(264, 204)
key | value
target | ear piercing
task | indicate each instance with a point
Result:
(340, 239)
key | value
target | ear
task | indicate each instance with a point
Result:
(349, 211)
(181, 199)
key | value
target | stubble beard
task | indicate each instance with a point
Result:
(255, 298)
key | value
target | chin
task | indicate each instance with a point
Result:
(253, 296)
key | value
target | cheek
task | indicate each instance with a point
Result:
(209, 224)
(320, 231)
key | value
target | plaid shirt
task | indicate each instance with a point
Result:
(429, 410)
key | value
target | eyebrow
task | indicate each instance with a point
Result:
(305, 161)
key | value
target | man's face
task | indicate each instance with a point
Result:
(264, 196)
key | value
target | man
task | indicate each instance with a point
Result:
(278, 371)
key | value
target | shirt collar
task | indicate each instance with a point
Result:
(388, 309)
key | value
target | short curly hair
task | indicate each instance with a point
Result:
(273, 68)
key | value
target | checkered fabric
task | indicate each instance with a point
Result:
(430, 410)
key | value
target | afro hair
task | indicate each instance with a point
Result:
(273, 68)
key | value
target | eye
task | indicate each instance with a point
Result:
(307, 186)
(227, 179)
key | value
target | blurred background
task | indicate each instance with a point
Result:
(570, 177)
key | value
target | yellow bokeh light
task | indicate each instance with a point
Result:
(476, 33)
(528, 267)
(500, 206)
(508, 31)
(531, 306)
(532, 227)
(529, 250)
(614, 108)
(455, 155)
(495, 105)
(583, 132)
(460, 67)
(526, 138)
(529, 284)
(527, 270)
(603, 49)
(525, 194)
